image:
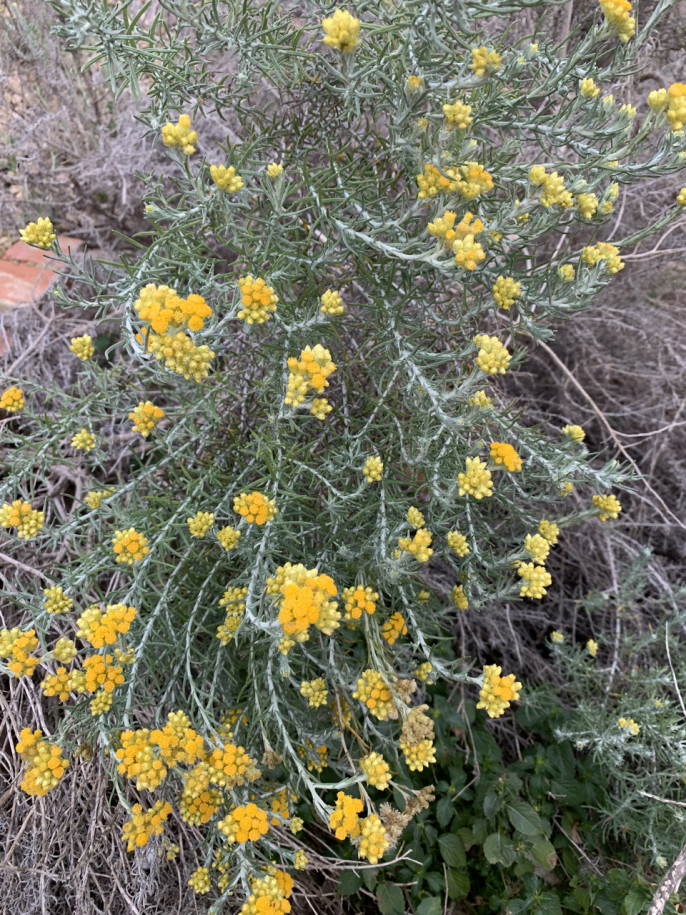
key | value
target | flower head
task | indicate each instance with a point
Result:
(608, 506)
(226, 178)
(373, 469)
(476, 481)
(82, 347)
(41, 233)
(574, 433)
(341, 31)
(12, 400)
(492, 358)
(255, 507)
(27, 520)
(130, 546)
(505, 456)
(497, 691)
(180, 134)
(485, 61)
(536, 580)
(83, 441)
(506, 291)
(145, 417)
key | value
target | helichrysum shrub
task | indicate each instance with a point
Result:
(322, 321)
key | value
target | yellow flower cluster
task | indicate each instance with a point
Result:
(423, 672)
(373, 839)
(300, 860)
(469, 180)
(65, 650)
(497, 691)
(56, 601)
(309, 372)
(199, 808)
(143, 825)
(460, 598)
(418, 756)
(45, 764)
(27, 520)
(457, 114)
(234, 601)
(444, 227)
(244, 824)
(587, 205)
(536, 580)
(41, 233)
(200, 523)
(12, 400)
(376, 770)
(95, 497)
(180, 134)
(574, 433)
(505, 456)
(506, 291)
(484, 61)
(269, 894)
(199, 881)
(608, 506)
(566, 272)
(130, 546)
(100, 672)
(628, 724)
(305, 600)
(557, 637)
(375, 693)
(332, 303)
(228, 537)
(419, 546)
(618, 16)
(228, 766)
(315, 692)
(588, 87)
(457, 543)
(255, 508)
(553, 187)
(163, 309)
(274, 170)
(605, 252)
(147, 755)
(549, 530)
(257, 299)
(358, 599)
(100, 629)
(415, 517)
(414, 83)
(492, 358)
(393, 628)
(225, 178)
(62, 682)
(373, 469)
(468, 252)
(83, 441)
(481, 400)
(681, 197)
(341, 31)
(181, 355)
(145, 417)
(345, 819)
(17, 645)
(476, 480)
(82, 347)
(676, 106)
(537, 547)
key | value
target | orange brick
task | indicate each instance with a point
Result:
(21, 284)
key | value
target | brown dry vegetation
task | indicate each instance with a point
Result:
(68, 148)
